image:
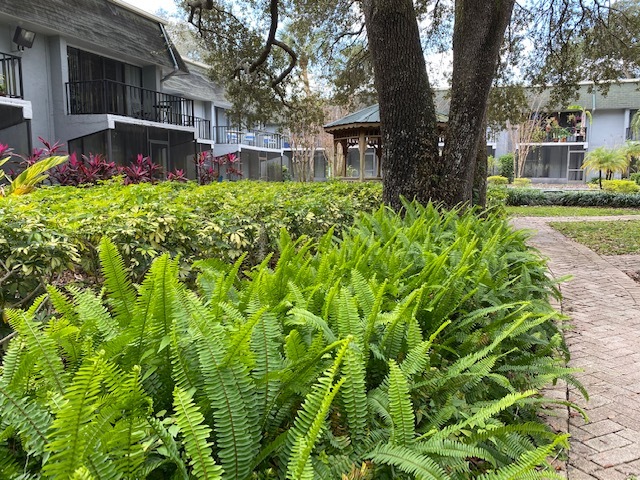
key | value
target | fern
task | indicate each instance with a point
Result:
(354, 397)
(310, 420)
(28, 418)
(121, 293)
(169, 446)
(40, 347)
(189, 421)
(228, 389)
(408, 461)
(525, 467)
(80, 407)
(400, 407)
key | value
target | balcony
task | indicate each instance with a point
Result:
(11, 76)
(109, 97)
(253, 138)
(203, 128)
(633, 136)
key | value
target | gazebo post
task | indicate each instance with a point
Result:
(362, 147)
(345, 154)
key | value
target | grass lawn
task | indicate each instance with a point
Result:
(605, 238)
(555, 211)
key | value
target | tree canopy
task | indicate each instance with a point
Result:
(269, 52)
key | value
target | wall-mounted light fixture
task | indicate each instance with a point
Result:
(23, 38)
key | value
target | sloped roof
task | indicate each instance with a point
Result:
(368, 115)
(197, 85)
(107, 25)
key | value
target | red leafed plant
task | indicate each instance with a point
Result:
(86, 170)
(177, 176)
(142, 169)
(233, 162)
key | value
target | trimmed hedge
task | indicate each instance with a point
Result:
(530, 196)
(55, 230)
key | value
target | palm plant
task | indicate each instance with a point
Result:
(610, 161)
(631, 151)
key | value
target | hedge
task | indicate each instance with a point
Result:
(52, 234)
(530, 196)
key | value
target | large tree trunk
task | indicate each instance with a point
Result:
(479, 196)
(407, 111)
(478, 33)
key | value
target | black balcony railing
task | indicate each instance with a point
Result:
(10, 76)
(254, 138)
(107, 96)
(631, 135)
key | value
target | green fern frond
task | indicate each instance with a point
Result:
(41, 347)
(407, 460)
(169, 446)
(81, 473)
(228, 388)
(396, 324)
(363, 293)
(265, 340)
(122, 295)
(372, 317)
(238, 342)
(527, 464)
(62, 304)
(81, 405)
(297, 316)
(29, 419)
(354, 397)
(9, 467)
(417, 359)
(309, 421)
(347, 318)
(482, 415)
(450, 449)
(378, 402)
(92, 315)
(400, 407)
(195, 436)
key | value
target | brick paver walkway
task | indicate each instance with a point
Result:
(604, 305)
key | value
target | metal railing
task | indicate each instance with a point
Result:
(11, 76)
(254, 138)
(631, 135)
(108, 96)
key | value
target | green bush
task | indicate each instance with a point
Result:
(530, 196)
(506, 166)
(621, 186)
(635, 177)
(57, 229)
(497, 180)
(415, 346)
(522, 182)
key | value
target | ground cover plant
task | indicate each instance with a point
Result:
(53, 233)
(555, 211)
(605, 238)
(410, 347)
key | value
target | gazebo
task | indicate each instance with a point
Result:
(362, 129)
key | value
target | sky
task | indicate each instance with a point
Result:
(152, 6)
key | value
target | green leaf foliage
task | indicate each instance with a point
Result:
(409, 346)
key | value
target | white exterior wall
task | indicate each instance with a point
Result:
(607, 129)
(36, 80)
